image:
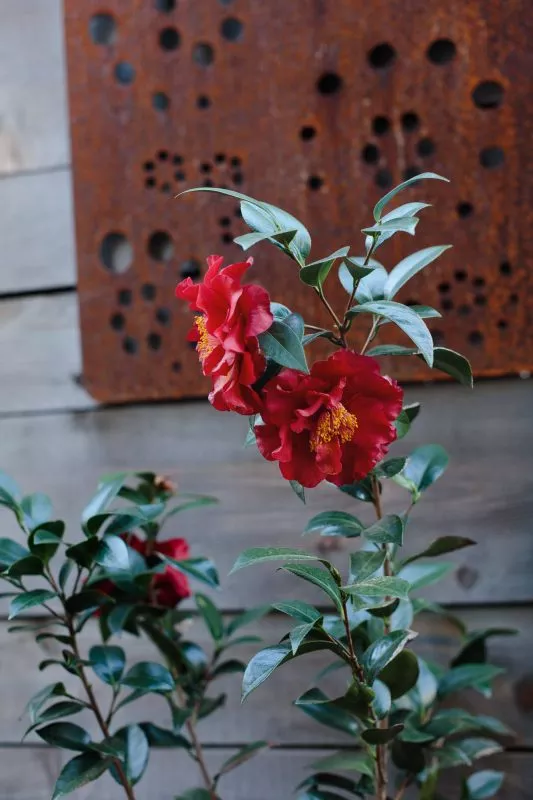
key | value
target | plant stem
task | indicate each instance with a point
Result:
(195, 741)
(333, 315)
(357, 670)
(370, 336)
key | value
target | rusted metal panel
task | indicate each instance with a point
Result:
(314, 105)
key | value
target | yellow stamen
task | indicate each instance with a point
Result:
(204, 346)
(337, 423)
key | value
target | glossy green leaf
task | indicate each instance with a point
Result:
(64, 708)
(10, 494)
(389, 467)
(262, 665)
(474, 647)
(78, 772)
(190, 501)
(315, 273)
(425, 465)
(406, 417)
(402, 224)
(298, 634)
(65, 735)
(420, 574)
(347, 760)
(400, 674)
(26, 600)
(441, 546)
(195, 794)
(408, 756)
(335, 523)
(357, 267)
(137, 752)
(86, 600)
(108, 662)
(202, 569)
(298, 609)
(317, 705)
(371, 287)
(241, 757)
(469, 676)
(364, 563)
(319, 577)
(37, 508)
(10, 552)
(381, 735)
(40, 698)
(30, 565)
(478, 747)
(247, 617)
(391, 350)
(379, 587)
(149, 676)
(380, 205)
(405, 210)
(161, 737)
(482, 785)
(248, 240)
(112, 555)
(369, 274)
(230, 667)
(84, 552)
(108, 489)
(260, 555)
(387, 530)
(453, 364)
(298, 490)
(282, 345)
(360, 490)
(211, 615)
(383, 651)
(409, 267)
(382, 699)
(426, 685)
(406, 319)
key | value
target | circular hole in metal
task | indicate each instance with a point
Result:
(438, 337)
(476, 338)
(166, 188)
(478, 282)
(381, 125)
(190, 269)
(163, 316)
(307, 132)
(124, 72)
(491, 157)
(381, 56)
(503, 324)
(370, 154)
(177, 159)
(124, 297)
(447, 304)
(463, 310)
(208, 184)
(464, 210)
(488, 94)
(505, 268)
(154, 341)
(203, 53)
(129, 345)
(383, 178)
(163, 155)
(205, 167)
(179, 175)
(160, 246)
(480, 300)
(315, 182)
(238, 178)
(117, 321)
(116, 252)
(176, 366)
(226, 238)
(149, 166)
(166, 6)
(236, 161)
(410, 172)
(149, 182)
(460, 275)
(410, 121)
(425, 147)
(224, 222)
(231, 29)
(160, 101)
(148, 291)
(329, 83)
(441, 51)
(444, 287)
(169, 39)
(203, 101)
(102, 28)
(220, 158)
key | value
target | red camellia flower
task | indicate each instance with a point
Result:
(334, 424)
(168, 588)
(231, 316)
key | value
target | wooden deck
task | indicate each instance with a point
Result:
(54, 439)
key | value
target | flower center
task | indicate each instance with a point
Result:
(204, 347)
(337, 423)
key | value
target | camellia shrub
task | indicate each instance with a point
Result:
(334, 422)
(123, 577)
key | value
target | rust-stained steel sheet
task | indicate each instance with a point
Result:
(318, 106)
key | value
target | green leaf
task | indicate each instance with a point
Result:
(357, 267)
(211, 615)
(334, 523)
(389, 467)
(469, 676)
(425, 465)
(379, 587)
(478, 747)
(37, 508)
(202, 569)
(195, 794)
(229, 667)
(420, 575)
(117, 618)
(262, 665)
(86, 600)
(405, 318)
(112, 555)
(391, 350)
(453, 364)
(474, 647)
(38, 700)
(298, 490)
(65, 708)
(383, 651)
(108, 489)
(365, 563)
(282, 345)
(298, 634)
(380, 205)
(298, 609)
(10, 494)
(26, 600)
(441, 546)
(405, 419)
(84, 552)
(483, 785)
(137, 752)
(388, 530)
(45, 540)
(65, 735)
(381, 735)
(372, 287)
(408, 756)
(10, 552)
(30, 565)
(241, 757)
(317, 705)
(248, 240)
(259, 555)
(401, 674)
(361, 490)
(405, 210)
(108, 662)
(78, 772)
(382, 700)
(319, 577)
(370, 277)
(161, 737)
(193, 501)
(247, 617)
(315, 274)
(410, 266)
(150, 677)
(347, 760)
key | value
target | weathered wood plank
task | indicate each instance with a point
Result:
(29, 774)
(33, 105)
(269, 713)
(39, 353)
(486, 494)
(37, 244)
